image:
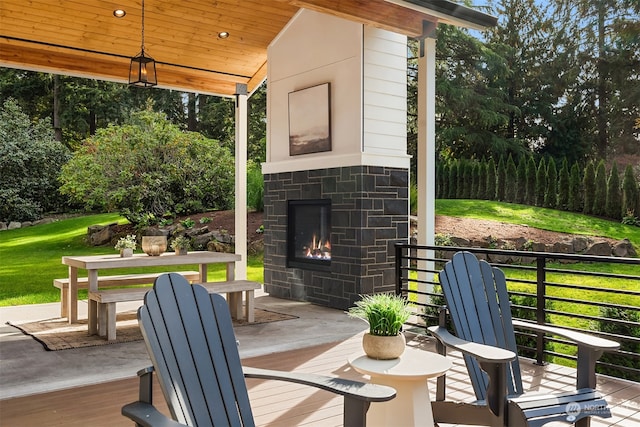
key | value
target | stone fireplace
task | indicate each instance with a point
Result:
(361, 180)
(368, 213)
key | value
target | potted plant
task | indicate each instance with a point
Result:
(385, 313)
(126, 245)
(181, 245)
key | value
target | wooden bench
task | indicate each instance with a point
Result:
(110, 281)
(107, 299)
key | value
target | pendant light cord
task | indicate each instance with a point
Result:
(142, 47)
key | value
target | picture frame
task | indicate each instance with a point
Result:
(310, 120)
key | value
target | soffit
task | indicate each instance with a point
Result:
(83, 38)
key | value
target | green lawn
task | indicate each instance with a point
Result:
(542, 218)
(31, 259)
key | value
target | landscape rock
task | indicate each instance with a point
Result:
(14, 225)
(580, 244)
(600, 248)
(562, 248)
(3, 226)
(460, 241)
(624, 248)
(100, 235)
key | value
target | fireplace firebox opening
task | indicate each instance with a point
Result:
(309, 234)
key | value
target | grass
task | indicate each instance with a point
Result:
(32, 258)
(542, 218)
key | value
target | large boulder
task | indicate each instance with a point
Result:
(600, 248)
(100, 234)
(624, 248)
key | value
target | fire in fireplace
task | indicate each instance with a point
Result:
(309, 234)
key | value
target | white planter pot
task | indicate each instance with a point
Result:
(127, 252)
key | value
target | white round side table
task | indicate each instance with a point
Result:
(408, 375)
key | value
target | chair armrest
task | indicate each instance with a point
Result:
(483, 353)
(142, 412)
(348, 388)
(579, 338)
(146, 415)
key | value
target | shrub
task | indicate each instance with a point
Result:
(501, 177)
(482, 180)
(453, 179)
(30, 160)
(541, 183)
(613, 205)
(148, 167)
(630, 196)
(609, 323)
(630, 219)
(551, 192)
(490, 192)
(511, 181)
(521, 179)
(589, 187)
(575, 189)
(461, 178)
(255, 187)
(563, 186)
(439, 174)
(524, 307)
(530, 187)
(600, 195)
(467, 179)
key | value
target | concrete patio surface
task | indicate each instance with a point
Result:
(27, 368)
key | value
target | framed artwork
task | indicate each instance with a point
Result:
(310, 120)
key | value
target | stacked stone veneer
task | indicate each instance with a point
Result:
(369, 213)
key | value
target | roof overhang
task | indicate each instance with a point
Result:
(82, 37)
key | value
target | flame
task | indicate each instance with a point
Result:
(318, 249)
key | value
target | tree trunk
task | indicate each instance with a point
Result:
(57, 128)
(192, 120)
(602, 85)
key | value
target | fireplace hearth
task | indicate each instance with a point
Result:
(309, 234)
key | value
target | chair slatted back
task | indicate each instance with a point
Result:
(480, 311)
(190, 339)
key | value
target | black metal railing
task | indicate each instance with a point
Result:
(595, 294)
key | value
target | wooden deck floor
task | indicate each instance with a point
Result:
(282, 404)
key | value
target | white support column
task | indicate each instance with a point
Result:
(241, 181)
(427, 145)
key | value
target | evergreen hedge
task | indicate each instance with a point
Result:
(573, 189)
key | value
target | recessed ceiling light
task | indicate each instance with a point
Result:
(119, 13)
(223, 35)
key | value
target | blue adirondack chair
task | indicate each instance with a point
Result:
(189, 337)
(480, 312)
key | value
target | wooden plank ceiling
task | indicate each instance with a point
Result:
(83, 38)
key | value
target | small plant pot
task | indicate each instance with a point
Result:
(383, 348)
(181, 251)
(126, 252)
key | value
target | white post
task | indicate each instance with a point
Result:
(426, 148)
(241, 181)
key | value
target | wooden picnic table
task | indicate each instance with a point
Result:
(94, 263)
